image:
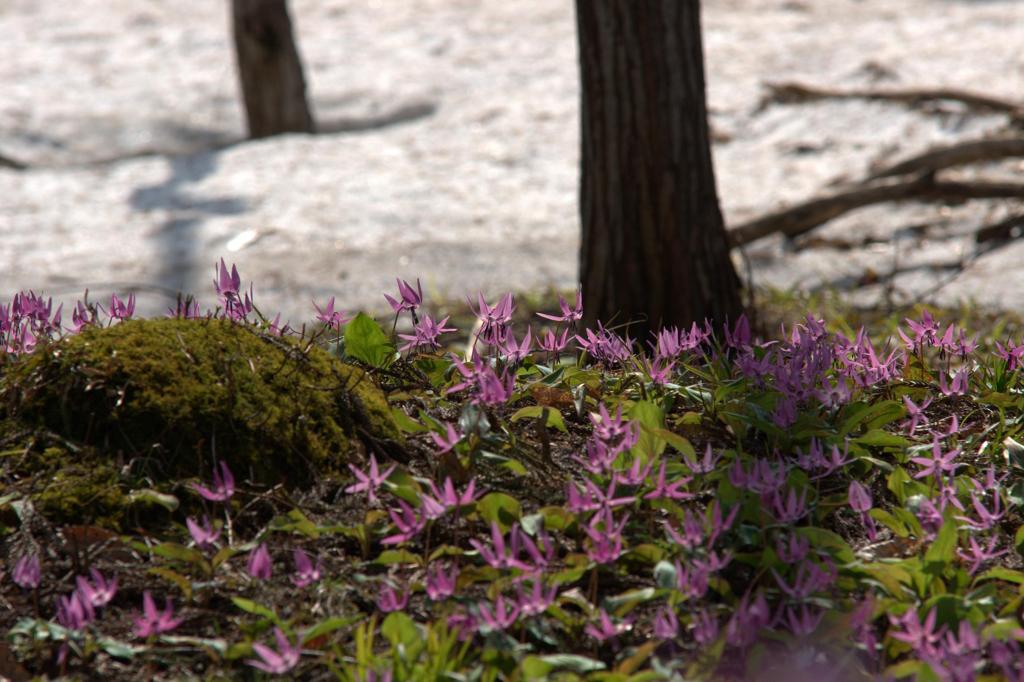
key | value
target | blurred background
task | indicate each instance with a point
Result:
(447, 148)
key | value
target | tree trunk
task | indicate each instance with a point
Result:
(654, 248)
(269, 69)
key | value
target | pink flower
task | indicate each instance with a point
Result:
(100, 591)
(369, 482)
(276, 662)
(259, 566)
(441, 585)
(154, 622)
(330, 317)
(305, 572)
(390, 600)
(27, 573)
(606, 629)
(204, 536)
(223, 484)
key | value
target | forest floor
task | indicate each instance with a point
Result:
(450, 147)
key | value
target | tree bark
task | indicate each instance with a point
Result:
(654, 249)
(269, 69)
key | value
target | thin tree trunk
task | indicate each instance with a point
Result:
(654, 247)
(269, 69)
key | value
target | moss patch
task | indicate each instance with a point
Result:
(167, 396)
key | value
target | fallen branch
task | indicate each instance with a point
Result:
(804, 217)
(8, 162)
(799, 92)
(1001, 231)
(959, 154)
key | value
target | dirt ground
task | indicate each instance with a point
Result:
(450, 147)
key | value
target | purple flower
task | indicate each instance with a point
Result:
(276, 662)
(204, 536)
(369, 482)
(605, 345)
(496, 316)
(705, 465)
(411, 299)
(425, 334)
(606, 541)
(390, 600)
(979, 555)
(27, 572)
(938, 463)
(447, 441)
(305, 572)
(441, 585)
(986, 519)
(259, 565)
(501, 617)
(155, 622)
(75, 611)
(670, 491)
(537, 600)
(793, 549)
(792, 509)
(498, 555)
(448, 497)
(330, 317)
(606, 629)
(227, 285)
(516, 352)
(119, 310)
(916, 414)
(100, 591)
(747, 620)
(574, 314)
(804, 622)
(960, 385)
(666, 624)
(486, 386)
(705, 627)
(921, 636)
(551, 343)
(223, 484)
(408, 523)
(859, 497)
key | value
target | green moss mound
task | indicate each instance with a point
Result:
(171, 395)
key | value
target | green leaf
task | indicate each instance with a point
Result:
(398, 628)
(681, 444)
(406, 423)
(218, 645)
(366, 341)
(117, 648)
(249, 606)
(398, 556)
(553, 420)
(299, 523)
(328, 626)
(170, 550)
(943, 548)
(1018, 540)
(882, 439)
(535, 667)
(826, 539)
(150, 496)
(652, 420)
(1000, 573)
(182, 583)
(621, 604)
(499, 508)
(891, 522)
